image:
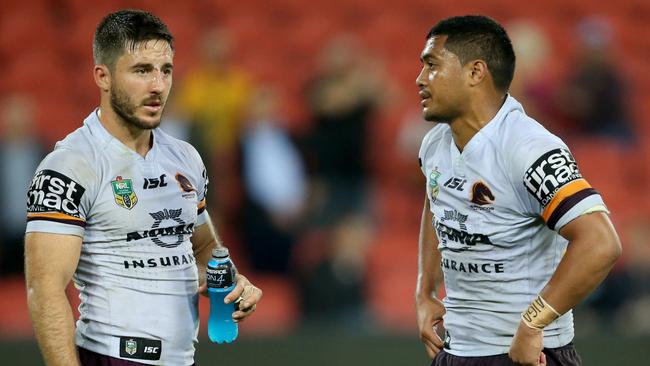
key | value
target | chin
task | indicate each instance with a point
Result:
(428, 116)
(149, 123)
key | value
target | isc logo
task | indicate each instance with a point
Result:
(151, 349)
(456, 183)
(151, 183)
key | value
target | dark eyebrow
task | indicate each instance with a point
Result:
(149, 66)
(428, 56)
(142, 65)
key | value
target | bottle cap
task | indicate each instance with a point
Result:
(220, 252)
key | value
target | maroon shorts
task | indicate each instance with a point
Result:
(90, 358)
(561, 356)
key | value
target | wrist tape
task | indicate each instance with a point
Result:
(539, 314)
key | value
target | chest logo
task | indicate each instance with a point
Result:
(152, 183)
(123, 192)
(457, 239)
(434, 187)
(481, 194)
(189, 192)
(184, 183)
(456, 183)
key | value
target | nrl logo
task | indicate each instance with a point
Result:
(123, 192)
(131, 347)
(434, 187)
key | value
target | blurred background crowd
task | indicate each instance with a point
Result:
(307, 117)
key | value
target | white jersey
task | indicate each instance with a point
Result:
(497, 208)
(137, 275)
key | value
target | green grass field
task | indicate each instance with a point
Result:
(339, 349)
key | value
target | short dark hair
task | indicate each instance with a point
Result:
(125, 29)
(474, 37)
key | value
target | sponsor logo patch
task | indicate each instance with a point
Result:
(453, 215)
(140, 348)
(51, 191)
(546, 176)
(156, 233)
(123, 192)
(467, 241)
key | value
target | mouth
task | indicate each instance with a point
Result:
(424, 95)
(153, 105)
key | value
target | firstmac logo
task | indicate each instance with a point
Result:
(549, 173)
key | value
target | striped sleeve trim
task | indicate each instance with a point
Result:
(56, 217)
(567, 204)
(201, 207)
(568, 190)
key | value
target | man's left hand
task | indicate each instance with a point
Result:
(526, 346)
(245, 294)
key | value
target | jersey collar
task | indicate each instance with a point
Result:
(98, 130)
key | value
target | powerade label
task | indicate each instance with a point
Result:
(220, 276)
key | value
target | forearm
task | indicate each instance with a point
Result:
(593, 249)
(50, 260)
(584, 266)
(53, 325)
(430, 275)
(203, 254)
(205, 239)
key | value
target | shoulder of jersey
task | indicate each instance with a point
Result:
(518, 130)
(81, 142)
(435, 134)
(177, 146)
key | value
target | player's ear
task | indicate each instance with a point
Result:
(102, 76)
(477, 70)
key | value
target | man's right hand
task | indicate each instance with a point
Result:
(430, 312)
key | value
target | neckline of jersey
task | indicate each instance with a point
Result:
(509, 104)
(94, 121)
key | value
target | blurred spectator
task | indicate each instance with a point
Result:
(214, 96)
(174, 122)
(20, 153)
(342, 99)
(594, 98)
(333, 290)
(633, 316)
(534, 82)
(275, 185)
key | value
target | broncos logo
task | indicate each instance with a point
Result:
(481, 194)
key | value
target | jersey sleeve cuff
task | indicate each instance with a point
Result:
(201, 218)
(42, 226)
(580, 208)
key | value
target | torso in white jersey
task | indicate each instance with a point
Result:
(497, 208)
(137, 275)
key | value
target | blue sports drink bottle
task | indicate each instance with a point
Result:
(221, 280)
